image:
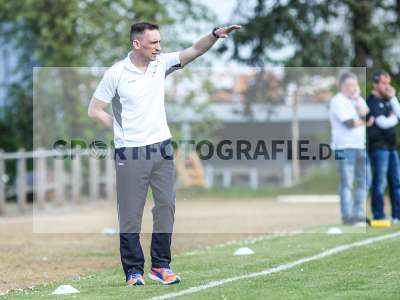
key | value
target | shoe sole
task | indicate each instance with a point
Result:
(156, 278)
(137, 283)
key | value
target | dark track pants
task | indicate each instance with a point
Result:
(137, 168)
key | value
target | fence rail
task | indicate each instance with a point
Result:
(74, 176)
(56, 174)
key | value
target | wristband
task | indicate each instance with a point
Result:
(214, 34)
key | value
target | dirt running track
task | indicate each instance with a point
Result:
(65, 243)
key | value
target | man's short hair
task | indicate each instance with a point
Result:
(139, 28)
(343, 77)
(376, 76)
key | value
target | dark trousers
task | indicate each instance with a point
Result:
(132, 257)
(137, 169)
(385, 167)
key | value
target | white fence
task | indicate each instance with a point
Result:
(57, 178)
(62, 177)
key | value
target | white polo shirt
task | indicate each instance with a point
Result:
(138, 100)
(341, 109)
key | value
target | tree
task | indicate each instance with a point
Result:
(68, 33)
(319, 33)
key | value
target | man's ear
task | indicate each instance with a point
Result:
(136, 44)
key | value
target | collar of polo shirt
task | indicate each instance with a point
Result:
(138, 100)
(130, 66)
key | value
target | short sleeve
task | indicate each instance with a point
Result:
(170, 60)
(341, 110)
(106, 89)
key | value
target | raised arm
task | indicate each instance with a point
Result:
(96, 112)
(205, 43)
(361, 107)
(391, 92)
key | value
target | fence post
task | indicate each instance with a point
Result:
(94, 178)
(109, 178)
(287, 175)
(209, 170)
(254, 178)
(21, 181)
(227, 178)
(2, 185)
(59, 180)
(41, 180)
(76, 178)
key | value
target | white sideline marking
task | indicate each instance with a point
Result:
(308, 199)
(279, 268)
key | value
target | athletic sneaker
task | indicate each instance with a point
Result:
(135, 279)
(164, 275)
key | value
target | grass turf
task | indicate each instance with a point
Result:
(368, 272)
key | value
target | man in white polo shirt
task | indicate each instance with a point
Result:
(347, 112)
(143, 150)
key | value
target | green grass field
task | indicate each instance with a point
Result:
(366, 272)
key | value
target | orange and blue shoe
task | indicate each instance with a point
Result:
(164, 275)
(135, 279)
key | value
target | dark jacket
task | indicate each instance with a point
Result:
(379, 138)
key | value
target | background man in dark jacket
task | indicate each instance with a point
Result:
(385, 108)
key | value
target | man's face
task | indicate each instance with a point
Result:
(350, 87)
(382, 85)
(148, 44)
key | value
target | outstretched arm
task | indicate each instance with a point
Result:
(205, 43)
